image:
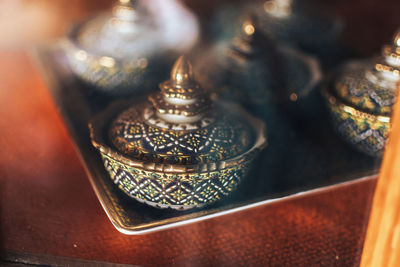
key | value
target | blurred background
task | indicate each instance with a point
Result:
(25, 23)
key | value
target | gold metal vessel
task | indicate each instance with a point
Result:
(180, 149)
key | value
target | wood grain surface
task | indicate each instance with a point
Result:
(382, 243)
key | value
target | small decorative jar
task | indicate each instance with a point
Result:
(360, 99)
(297, 22)
(288, 21)
(180, 149)
(122, 51)
(250, 68)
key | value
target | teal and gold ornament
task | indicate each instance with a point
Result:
(180, 149)
(360, 99)
(300, 23)
(294, 22)
(252, 69)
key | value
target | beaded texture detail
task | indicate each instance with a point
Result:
(367, 133)
(174, 190)
(361, 99)
(355, 87)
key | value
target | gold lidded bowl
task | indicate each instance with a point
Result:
(298, 22)
(289, 21)
(119, 51)
(253, 69)
(360, 99)
(180, 149)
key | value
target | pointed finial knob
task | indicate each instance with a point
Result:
(125, 11)
(181, 99)
(182, 73)
(249, 39)
(388, 67)
(249, 25)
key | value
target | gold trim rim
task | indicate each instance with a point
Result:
(259, 144)
(334, 100)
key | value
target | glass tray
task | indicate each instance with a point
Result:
(302, 156)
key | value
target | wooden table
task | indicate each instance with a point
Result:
(49, 214)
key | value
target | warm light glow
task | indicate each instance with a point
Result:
(384, 119)
(397, 40)
(348, 109)
(81, 55)
(108, 62)
(293, 97)
(248, 28)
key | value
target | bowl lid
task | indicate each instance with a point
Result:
(136, 28)
(253, 69)
(181, 125)
(371, 85)
(121, 32)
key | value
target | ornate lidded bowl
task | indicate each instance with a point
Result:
(180, 149)
(295, 21)
(119, 50)
(250, 68)
(360, 99)
(292, 21)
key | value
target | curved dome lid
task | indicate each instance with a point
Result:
(181, 125)
(263, 71)
(134, 28)
(119, 33)
(371, 85)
